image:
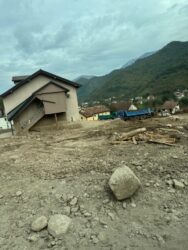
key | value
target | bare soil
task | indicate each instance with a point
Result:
(50, 168)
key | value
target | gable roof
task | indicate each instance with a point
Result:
(90, 111)
(22, 106)
(169, 104)
(37, 73)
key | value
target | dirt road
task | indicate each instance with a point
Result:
(41, 173)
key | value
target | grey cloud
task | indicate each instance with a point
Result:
(74, 37)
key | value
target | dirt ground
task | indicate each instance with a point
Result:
(41, 173)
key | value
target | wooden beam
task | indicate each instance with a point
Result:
(56, 121)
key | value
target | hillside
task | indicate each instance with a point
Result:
(130, 62)
(163, 72)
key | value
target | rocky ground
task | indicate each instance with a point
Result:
(47, 175)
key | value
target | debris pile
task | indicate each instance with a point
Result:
(142, 134)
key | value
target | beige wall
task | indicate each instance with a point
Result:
(49, 121)
(29, 117)
(22, 93)
(96, 117)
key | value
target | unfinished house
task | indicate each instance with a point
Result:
(41, 99)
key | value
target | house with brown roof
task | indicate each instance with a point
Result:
(92, 113)
(41, 99)
(171, 106)
(123, 106)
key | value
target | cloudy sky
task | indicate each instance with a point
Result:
(76, 37)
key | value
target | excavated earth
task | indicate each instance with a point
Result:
(66, 171)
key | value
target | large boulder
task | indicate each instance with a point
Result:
(124, 183)
(58, 225)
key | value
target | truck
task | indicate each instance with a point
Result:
(125, 114)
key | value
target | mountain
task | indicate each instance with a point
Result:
(163, 72)
(130, 62)
(87, 77)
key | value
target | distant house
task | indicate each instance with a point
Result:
(123, 106)
(92, 113)
(150, 98)
(171, 106)
(40, 99)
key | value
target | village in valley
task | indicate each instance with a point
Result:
(91, 176)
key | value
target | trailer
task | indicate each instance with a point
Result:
(140, 114)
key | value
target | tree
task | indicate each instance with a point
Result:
(184, 102)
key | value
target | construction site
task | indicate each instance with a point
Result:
(57, 191)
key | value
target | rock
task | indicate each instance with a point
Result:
(111, 215)
(169, 182)
(178, 184)
(86, 214)
(33, 238)
(1, 196)
(74, 201)
(58, 225)
(124, 183)
(124, 205)
(39, 224)
(18, 193)
(102, 237)
(94, 239)
(105, 201)
(67, 210)
(133, 205)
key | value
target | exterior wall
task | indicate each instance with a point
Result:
(49, 121)
(22, 93)
(29, 117)
(96, 117)
(132, 107)
(56, 104)
(83, 118)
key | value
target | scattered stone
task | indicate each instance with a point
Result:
(124, 183)
(86, 214)
(178, 184)
(124, 205)
(18, 193)
(39, 224)
(1, 196)
(74, 209)
(94, 239)
(53, 243)
(33, 238)
(147, 184)
(169, 182)
(111, 215)
(74, 201)
(58, 225)
(102, 222)
(102, 237)
(67, 210)
(133, 205)
(106, 201)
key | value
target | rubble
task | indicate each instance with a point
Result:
(147, 136)
(124, 183)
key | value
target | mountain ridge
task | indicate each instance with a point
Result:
(164, 71)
